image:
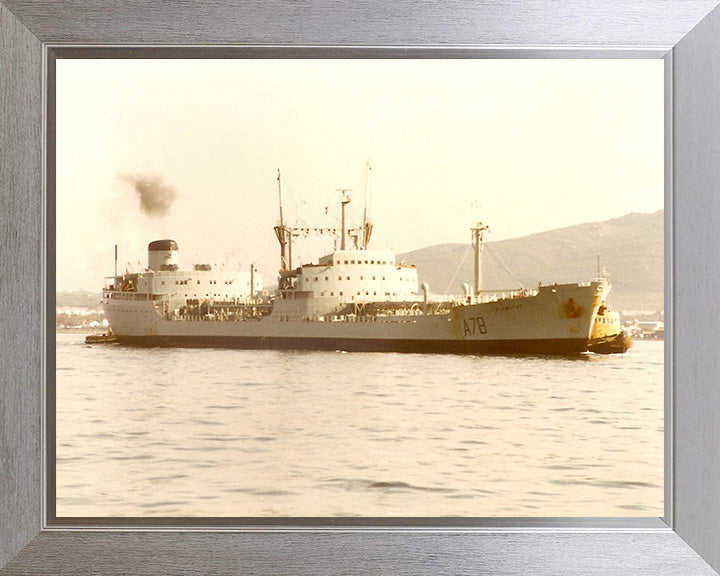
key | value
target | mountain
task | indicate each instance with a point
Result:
(630, 249)
(78, 299)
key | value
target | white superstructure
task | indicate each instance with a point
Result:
(359, 276)
(169, 288)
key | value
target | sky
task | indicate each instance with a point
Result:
(523, 145)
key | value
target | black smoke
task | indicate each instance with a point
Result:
(156, 198)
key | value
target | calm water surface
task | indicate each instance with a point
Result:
(189, 432)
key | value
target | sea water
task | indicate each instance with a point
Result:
(212, 432)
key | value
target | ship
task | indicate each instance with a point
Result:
(103, 338)
(355, 298)
(607, 335)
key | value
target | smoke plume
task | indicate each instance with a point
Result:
(156, 197)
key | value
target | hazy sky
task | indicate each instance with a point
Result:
(539, 144)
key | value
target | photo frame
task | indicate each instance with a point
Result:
(685, 34)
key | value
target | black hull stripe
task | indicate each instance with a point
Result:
(550, 346)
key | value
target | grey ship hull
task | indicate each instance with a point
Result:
(556, 320)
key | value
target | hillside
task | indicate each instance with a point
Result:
(630, 248)
(78, 299)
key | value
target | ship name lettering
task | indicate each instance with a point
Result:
(474, 325)
(507, 307)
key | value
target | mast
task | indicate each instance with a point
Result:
(252, 283)
(367, 226)
(477, 240)
(280, 230)
(345, 200)
(290, 234)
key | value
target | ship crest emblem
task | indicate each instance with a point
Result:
(571, 309)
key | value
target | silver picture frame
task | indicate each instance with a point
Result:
(684, 33)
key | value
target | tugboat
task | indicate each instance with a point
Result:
(104, 338)
(608, 336)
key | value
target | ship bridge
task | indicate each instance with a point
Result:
(359, 276)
